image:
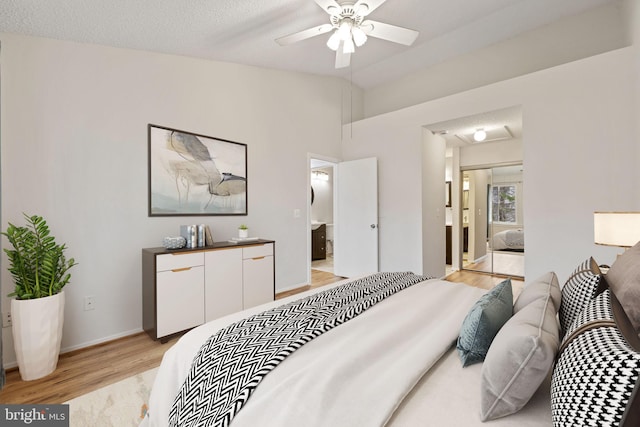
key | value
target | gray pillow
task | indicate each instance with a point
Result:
(624, 280)
(539, 288)
(520, 358)
(483, 322)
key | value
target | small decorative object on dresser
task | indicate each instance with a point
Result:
(176, 242)
(243, 231)
(40, 271)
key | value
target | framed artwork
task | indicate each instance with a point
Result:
(192, 174)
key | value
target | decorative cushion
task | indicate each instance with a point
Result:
(596, 374)
(520, 358)
(581, 287)
(597, 311)
(547, 284)
(624, 280)
(483, 322)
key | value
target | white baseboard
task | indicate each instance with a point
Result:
(291, 288)
(100, 340)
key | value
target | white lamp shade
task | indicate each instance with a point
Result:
(334, 41)
(359, 37)
(348, 46)
(616, 228)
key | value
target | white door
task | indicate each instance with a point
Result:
(356, 229)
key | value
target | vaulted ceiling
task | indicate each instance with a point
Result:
(244, 31)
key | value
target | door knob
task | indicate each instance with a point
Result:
(373, 226)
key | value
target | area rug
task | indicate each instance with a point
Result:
(119, 404)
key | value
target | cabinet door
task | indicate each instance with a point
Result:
(258, 280)
(223, 282)
(179, 300)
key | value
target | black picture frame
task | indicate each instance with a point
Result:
(195, 175)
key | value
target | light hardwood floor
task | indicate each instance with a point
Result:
(90, 368)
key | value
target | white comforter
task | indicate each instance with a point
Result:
(354, 375)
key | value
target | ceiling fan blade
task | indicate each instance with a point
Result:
(389, 32)
(365, 7)
(342, 59)
(330, 6)
(305, 34)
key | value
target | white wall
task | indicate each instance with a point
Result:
(74, 149)
(433, 205)
(631, 11)
(593, 32)
(580, 155)
(398, 150)
(491, 154)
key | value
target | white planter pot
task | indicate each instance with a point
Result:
(37, 333)
(243, 234)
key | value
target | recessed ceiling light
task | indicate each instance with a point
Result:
(480, 135)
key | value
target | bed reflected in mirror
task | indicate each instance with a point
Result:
(492, 200)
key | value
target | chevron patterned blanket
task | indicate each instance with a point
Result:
(231, 364)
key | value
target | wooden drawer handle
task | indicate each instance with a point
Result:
(177, 270)
(257, 258)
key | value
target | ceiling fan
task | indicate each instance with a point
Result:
(351, 29)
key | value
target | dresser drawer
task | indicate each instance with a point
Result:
(257, 251)
(179, 260)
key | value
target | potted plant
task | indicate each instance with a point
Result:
(243, 231)
(40, 271)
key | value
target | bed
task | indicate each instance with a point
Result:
(395, 364)
(508, 240)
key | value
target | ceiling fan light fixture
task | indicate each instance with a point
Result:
(348, 46)
(480, 135)
(344, 30)
(348, 28)
(359, 36)
(334, 41)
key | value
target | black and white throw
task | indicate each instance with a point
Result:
(231, 364)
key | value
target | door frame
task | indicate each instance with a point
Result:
(331, 161)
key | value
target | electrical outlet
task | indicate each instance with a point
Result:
(6, 319)
(89, 303)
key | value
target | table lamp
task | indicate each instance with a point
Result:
(620, 229)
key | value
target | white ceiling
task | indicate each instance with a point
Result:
(243, 31)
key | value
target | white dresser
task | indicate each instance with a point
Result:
(185, 288)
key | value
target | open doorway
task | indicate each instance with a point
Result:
(492, 216)
(322, 178)
(478, 142)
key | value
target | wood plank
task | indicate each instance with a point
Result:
(318, 278)
(87, 369)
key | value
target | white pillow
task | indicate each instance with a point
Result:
(519, 359)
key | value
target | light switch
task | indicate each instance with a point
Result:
(296, 213)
